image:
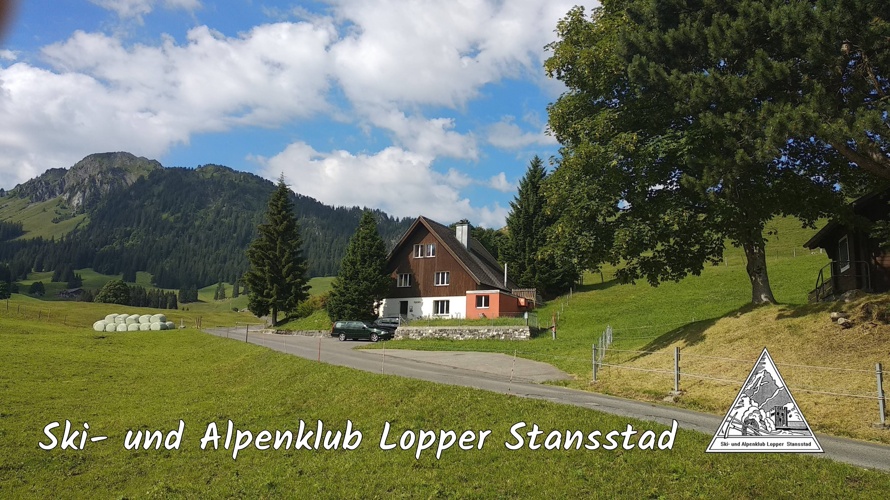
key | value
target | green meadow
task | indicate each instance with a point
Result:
(53, 370)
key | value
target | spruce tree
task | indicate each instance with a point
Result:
(527, 225)
(277, 276)
(220, 293)
(362, 281)
(235, 289)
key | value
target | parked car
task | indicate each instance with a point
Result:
(361, 330)
(388, 322)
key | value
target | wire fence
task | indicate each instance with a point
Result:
(695, 367)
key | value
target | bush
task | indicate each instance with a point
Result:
(312, 304)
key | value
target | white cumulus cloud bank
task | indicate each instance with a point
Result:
(400, 182)
(386, 61)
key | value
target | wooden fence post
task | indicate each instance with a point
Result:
(881, 402)
(676, 369)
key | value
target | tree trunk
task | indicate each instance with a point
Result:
(761, 293)
(274, 316)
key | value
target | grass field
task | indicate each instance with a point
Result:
(148, 381)
(37, 218)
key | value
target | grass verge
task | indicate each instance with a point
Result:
(151, 380)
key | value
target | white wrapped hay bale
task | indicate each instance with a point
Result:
(121, 319)
(110, 318)
(158, 318)
(111, 327)
(155, 327)
(144, 327)
(99, 326)
(145, 319)
(171, 325)
(121, 327)
(133, 327)
(132, 319)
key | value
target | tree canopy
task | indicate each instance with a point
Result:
(114, 292)
(362, 281)
(688, 123)
(527, 227)
(277, 277)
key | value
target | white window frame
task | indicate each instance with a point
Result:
(441, 307)
(485, 300)
(418, 251)
(404, 280)
(442, 278)
(845, 244)
(430, 250)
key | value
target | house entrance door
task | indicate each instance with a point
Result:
(403, 308)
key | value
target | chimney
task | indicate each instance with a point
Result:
(462, 232)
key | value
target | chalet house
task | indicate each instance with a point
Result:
(857, 261)
(440, 272)
(71, 293)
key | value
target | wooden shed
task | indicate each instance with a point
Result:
(857, 260)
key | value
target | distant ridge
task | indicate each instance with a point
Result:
(184, 226)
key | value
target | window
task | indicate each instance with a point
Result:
(441, 307)
(418, 251)
(843, 253)
(482, 302)
(404, 280)
(443, 278)
(431, 250)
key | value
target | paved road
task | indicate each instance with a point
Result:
(521, 377)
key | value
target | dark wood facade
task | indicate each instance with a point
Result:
(426, 254)
(857, 260)
(423, 269)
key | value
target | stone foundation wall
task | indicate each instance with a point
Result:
(463, 332)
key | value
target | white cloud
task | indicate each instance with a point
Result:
(410, 69)
(103, 96)
(137, 8)
(400, 182)
(435, 52)
(500, 183)
(507, 135)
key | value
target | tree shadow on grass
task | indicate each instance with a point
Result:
(691, 333)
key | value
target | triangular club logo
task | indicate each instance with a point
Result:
(764, 417)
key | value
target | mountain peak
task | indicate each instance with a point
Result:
(88, 180)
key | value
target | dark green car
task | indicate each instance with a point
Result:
(360, 330)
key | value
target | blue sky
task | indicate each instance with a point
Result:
(411, 106)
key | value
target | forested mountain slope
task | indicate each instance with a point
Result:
(184, 226)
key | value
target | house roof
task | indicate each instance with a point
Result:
(859, 207)
(477, 260)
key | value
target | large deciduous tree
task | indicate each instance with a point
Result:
(362, 281)
(524, 251)
(277, 276)
(682, 128)
(114, 292)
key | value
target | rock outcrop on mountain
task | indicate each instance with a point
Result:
(88, 181)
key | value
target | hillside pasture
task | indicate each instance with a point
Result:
(149, 381)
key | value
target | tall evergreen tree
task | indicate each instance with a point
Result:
(277, 276)
(362, 281)
(220, 293)
(527, 225)
(235, 288)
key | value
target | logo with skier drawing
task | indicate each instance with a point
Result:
(764, 417)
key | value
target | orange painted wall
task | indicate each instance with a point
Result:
(499, 303)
